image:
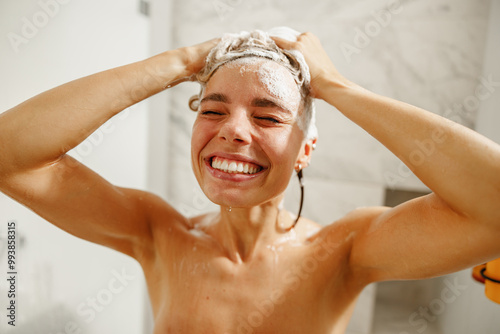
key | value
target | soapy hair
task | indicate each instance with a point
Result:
(259, 44)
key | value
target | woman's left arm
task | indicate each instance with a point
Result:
(456, 226)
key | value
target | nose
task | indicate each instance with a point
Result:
(236, 128)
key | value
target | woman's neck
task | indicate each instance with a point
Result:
(243, 231)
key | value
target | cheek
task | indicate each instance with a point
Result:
(283, 147)
(199, 138)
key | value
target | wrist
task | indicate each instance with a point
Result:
(328, 86)
(168, 68)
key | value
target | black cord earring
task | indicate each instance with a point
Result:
(299, 176)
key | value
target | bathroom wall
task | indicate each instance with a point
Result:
(478, 313)
(453, 303)
(67, 285)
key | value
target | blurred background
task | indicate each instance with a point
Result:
(441, 55)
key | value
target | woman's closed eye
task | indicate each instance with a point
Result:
(268, 119)
(263, 119)
(211, 113)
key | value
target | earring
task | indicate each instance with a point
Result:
(299, 176)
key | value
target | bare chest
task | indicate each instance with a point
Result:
(285, 290)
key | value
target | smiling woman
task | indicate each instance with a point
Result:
(248, 74)
(240, 121)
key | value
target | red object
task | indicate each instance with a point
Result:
(476, 273)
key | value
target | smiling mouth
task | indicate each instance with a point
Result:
(234, 166)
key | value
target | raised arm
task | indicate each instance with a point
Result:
(456, 226)
(36, 135)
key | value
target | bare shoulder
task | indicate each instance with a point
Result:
(307, 229)
(164, 217)
(339, 238)
(332, 245)
(163, 221)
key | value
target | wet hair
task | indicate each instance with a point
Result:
(259, 44)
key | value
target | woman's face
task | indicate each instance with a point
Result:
(246, 140)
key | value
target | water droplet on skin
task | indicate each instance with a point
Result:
(275, 252)
(229, 209)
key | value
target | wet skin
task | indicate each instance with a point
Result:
(300, 284)
(240, 270)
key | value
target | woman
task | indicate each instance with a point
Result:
(252, 267)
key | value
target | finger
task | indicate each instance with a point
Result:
(208, 45)
(283, 43)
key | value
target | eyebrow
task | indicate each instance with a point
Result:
(266, 103)
(216, 97)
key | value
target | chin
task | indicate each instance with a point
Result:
(230, 200)
(230, 197)
(239, 198)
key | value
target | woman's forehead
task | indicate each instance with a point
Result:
(276, 80)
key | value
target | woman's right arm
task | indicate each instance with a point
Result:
(36, 135)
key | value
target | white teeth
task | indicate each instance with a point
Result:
(224, 165)
(233, 167)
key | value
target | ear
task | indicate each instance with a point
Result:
(305, 153)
